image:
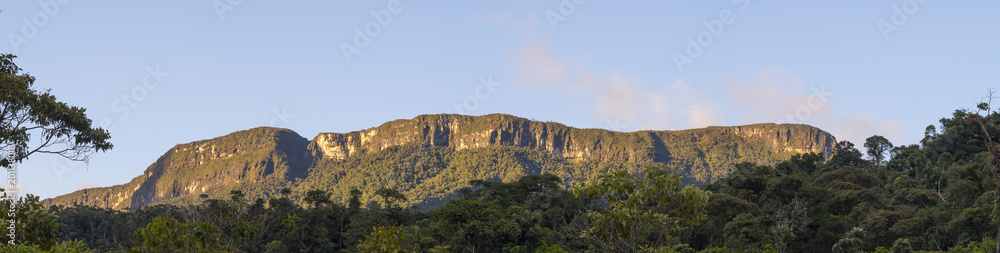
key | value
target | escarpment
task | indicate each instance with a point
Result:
(263, 160)
(461, 132)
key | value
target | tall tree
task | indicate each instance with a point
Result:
(317, 198)
(355, 202)
(846, 155)
(26, 114)
(930, 133)
(642, 213)
(993, 149)
(851, 242)
(390, 196)
(878, 147)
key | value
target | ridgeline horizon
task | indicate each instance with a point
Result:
(431, 156)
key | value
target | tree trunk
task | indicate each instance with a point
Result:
(995, 162)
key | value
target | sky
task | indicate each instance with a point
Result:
(161, 73)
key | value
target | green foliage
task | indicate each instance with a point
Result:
(74, 246)
(390, 197)
(935, 197)
(383, 240)
(169, 235)
(516, 216)
(59, 128)
(34, 224)
(317, 198)
(851, 242)
(901, 246)
(878, 148)
(987, 245)
(642, 212)
(236, 195)
(721, 209)
(428, 165)
(554, 248)
(847, 155)
(478, 224)
(744, 233)
(714, 250)
(291, 221)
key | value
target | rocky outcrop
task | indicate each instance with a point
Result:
(793, 138)
(204, 166)
(461, 132)
(266, 157)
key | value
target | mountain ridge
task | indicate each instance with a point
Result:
(262, 160)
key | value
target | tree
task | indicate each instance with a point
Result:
(73, 246)
(59, 128)
(901, 246)
(355, 202)
(878, 147)
(35, 225)
(170, 235)
(851, 242)
(476, 225)
(236, 196)
(993, 149)
(640, 213)
(390, 196)
(787, 224)
(744, 233)
(930, 133)
(846, 155)
(513, 192)
(317, 198)
(382, 240)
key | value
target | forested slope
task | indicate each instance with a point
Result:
(430, 157)
(936, 196)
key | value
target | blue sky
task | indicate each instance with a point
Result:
(219, 66)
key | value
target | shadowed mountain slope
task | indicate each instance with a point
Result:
(430, 157)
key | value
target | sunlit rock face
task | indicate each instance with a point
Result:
(461, 132)
(266, 157)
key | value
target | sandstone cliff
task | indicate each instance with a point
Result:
(205, 166)
(263, 160)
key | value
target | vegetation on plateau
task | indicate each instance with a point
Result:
(936, 196)
(940, 195)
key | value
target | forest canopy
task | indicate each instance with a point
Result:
(936, 196)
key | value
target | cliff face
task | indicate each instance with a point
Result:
(260, 161)
(789, 138)
(205, 166)
(461, 132)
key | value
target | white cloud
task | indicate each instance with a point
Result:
(615, 96)
(538, 67)
(774, 95)
(85, 184)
